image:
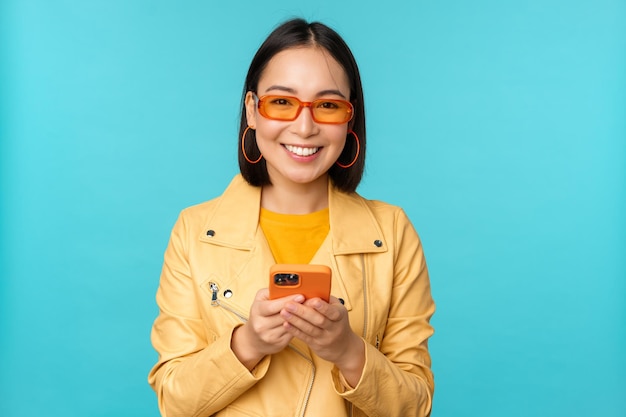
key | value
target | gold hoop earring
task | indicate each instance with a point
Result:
(243, 148)
(358, 149)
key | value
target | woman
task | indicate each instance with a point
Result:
(225, 348)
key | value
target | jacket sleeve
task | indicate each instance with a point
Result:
(196, 374)
(397, 380)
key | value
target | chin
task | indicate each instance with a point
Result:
(306, 179)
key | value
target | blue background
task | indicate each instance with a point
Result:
(499, 126)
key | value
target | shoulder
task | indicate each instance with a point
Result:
(382, 208)
(358, 221)
(354, 208)
(385, 213)
(200, 210)
(395, 223)
(237, 200)
(399, 233)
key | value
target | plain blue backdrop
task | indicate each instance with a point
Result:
(500, 127)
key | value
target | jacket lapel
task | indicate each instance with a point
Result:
(235, 220)
(235, 224)
(353, 227)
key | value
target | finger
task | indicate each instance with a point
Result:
(303, 316)
(262, 324)
(262, 294)
(333, 312)
(302, 329)
(296, 332)
(336, 301)
(271, 307)
(275, 340)
(266, 328)
(276, 334)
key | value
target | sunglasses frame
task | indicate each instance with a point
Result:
(309, 104)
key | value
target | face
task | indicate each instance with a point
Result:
(300, 151)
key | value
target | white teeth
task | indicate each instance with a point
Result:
(301, 151)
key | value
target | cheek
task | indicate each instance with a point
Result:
(337, 137)
(268, 131)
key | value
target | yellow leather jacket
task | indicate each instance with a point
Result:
(216, 261)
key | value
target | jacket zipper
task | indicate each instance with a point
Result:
(215, 302)
(365, 307)
(310, 387)
(214, 290)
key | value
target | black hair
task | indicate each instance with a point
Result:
(297, 33)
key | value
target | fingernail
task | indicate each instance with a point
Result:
(290, 307)
(299, 298)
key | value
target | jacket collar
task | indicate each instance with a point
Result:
(353, 226)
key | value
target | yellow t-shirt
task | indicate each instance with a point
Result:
(294, 238)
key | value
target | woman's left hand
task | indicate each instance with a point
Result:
(325, 328)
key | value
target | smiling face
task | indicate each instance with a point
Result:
(299, 151)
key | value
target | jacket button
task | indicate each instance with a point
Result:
(378, 243)
(210, 233)
(228, 294)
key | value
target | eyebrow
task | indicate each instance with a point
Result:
(292, 91)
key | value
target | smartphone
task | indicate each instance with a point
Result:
(309, 280)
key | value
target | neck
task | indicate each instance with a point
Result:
(293, 198)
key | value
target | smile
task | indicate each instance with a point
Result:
(301, 151)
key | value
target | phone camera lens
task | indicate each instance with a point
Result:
(286, 279)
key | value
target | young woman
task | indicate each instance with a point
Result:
(227, 349)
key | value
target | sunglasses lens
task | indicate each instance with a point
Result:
(279, 108)
(287, 108)
(331, 111)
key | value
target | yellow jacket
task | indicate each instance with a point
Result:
(216, 261)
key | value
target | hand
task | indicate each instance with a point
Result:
(263, 334)
(325, 328)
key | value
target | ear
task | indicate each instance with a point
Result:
(250, 109)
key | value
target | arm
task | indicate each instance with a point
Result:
(397, 380)
(197, 374)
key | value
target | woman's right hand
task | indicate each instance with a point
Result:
(263, 334)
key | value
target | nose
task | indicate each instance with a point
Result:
(304, 125)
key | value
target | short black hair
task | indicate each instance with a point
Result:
(298, 33)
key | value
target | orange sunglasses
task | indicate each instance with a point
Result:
(287, 108)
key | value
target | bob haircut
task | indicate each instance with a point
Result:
(299, 33)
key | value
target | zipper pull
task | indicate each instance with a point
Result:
(214, 290)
